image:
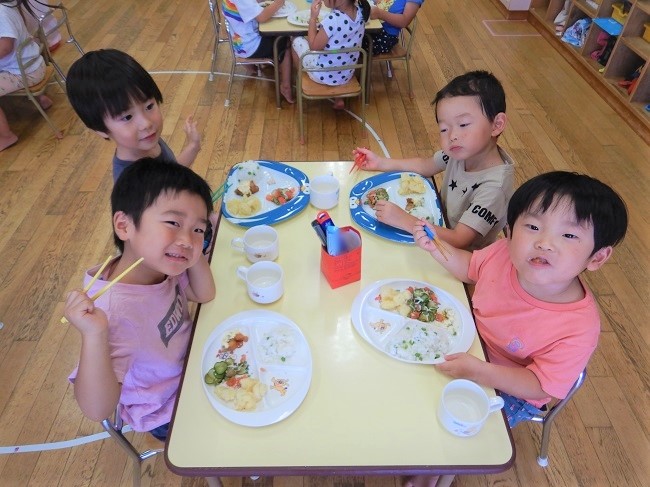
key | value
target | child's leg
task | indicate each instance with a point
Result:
(285, 74)
(7, 137)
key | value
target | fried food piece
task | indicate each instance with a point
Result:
(410, 184)
(246, 206)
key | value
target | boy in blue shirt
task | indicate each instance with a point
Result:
(117, 98)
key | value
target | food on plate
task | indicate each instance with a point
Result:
(242, 394)
(280, 196)
(225, 370)
(278, 345)
(411, 183)
(233, 340)
(375, 195)
(246, 188)
(246, 171)
(380, 326)
(421, 213)
(420, 342)
(265, 3)
(246, 206)
(394, 300)
(413, 202)
(418, 303)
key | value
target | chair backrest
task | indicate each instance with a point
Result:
(360, 64)
(215, 14)
(411, 28)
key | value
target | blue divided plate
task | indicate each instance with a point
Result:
(364, 216)
(268, 176)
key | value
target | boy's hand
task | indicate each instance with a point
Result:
(81, 312)
(191, 131)
(461, 366)
(391, 214)
(371, 162)
(315, 9)
(422, 239)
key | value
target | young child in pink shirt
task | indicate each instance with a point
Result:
(538, 319)
(134, 338)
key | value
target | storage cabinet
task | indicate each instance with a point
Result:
(630, 51)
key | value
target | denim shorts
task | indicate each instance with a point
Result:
(518, 410)
(160, 432)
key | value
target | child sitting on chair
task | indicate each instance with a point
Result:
(538, 319)
(13, 32)
(134, 338)
(243, 17)
(343, 27)
(117, 98)
(478, 180)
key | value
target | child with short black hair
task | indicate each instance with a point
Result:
(479, 174)
(117, 98)
(536, 316)
(135, 336)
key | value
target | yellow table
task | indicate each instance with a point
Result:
(365, 413)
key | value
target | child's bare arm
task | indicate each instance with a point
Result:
(460, 237)
(457, 260)
(316, 38)
(516, 381)
(391, 214)
(96, 388)
(268, 12)
(201, 288)
(373, 162)
(193, 145)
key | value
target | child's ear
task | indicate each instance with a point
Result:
(122, 224)
(597, 260)
(499, 124)
(103, 135)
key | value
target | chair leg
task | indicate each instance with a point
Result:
(408, 74)
(302, 128)
(214, 57)
(232, 75)
(57, 133)
(389, 69)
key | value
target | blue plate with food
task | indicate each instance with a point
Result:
(409, 191)
(264, 193)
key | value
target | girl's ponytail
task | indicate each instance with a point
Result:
(365, 9)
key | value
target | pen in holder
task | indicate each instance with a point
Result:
(345, 267)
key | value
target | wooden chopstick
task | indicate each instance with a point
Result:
(110, 284)
(439, 245)
(97, 274)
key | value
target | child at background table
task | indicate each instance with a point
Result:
(117, 98)
(135, 336)
(243, 17)
(395, 15)
(13, 32)
(343, 28)
(478, 180)
(538, 319)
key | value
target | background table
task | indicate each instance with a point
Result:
(365, 412)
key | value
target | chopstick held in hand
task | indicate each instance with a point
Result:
(439, 245)
(110, 284)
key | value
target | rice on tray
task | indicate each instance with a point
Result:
(420, 342)
(278, 345)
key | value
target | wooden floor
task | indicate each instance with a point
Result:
(56, 223)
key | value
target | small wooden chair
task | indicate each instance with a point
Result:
(215, 15)
(34, 91)
(114, 428)
(401, 52)
(548, 418)
(249, 61)
(310, 90)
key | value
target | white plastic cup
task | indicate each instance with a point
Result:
(264, 281)
(464, 407)
(324, 191)
(258, 243)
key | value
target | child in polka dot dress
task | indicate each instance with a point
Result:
(342, 28)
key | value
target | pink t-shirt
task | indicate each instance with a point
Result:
(553, 340)
(149, 332)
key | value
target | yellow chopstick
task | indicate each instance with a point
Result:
(97, 274)
(110, 284)
(117, 279)
(443, 250)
